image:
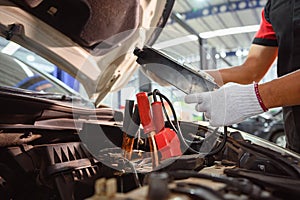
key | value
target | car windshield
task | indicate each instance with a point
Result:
(23, 69)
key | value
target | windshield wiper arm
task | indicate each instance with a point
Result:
(45, 95)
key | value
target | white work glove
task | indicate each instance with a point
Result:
(230, 104)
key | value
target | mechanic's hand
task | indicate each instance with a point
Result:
(230, 104)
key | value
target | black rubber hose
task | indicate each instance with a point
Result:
(178, 130)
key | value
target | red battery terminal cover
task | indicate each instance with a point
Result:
(168, 143)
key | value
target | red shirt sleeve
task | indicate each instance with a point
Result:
(265, 35)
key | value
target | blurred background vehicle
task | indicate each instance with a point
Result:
(268, 126)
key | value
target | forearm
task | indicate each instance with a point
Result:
(256, 65)
(284, 91)
(237, 74)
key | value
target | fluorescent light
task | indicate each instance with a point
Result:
(30, 58)
(229, 31)
(207, 35)
(10, 48)
(175, 42)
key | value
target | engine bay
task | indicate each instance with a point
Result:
(78, 156)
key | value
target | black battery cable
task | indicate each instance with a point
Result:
(177, 128)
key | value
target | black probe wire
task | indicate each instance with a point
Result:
(220, 146)
(155, 92)
(135, 177)
(178, 130)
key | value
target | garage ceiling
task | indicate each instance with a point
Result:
(226, 26)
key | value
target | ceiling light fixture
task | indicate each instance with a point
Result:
(207, 35)
(10, 48)
(229, 31)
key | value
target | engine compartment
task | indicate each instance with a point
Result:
(52, 161)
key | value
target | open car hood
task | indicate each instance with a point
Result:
(92, 40)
